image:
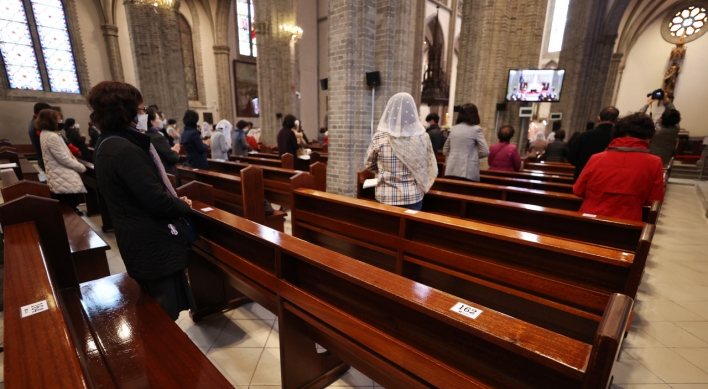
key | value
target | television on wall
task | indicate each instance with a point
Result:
(535, 85)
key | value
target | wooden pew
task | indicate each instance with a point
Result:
(88, 249)
(106, 333)
(286, 162)
(26, 149)
(300, 164)
(564, 201)
(527, 183)
(550, 167)
(276, 181)
(475, 260)
(95, 203)
(563, 179)
(398, 332)
(242, 195)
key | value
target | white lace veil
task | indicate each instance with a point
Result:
(408, 139)
(400, 118)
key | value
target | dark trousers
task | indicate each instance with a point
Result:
(71, 199)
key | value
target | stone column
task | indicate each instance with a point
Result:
(586, 56)
(496, 36)
(157, 56)
(110, 35)
(365, 36)
(352, 36)
(613, 80)
(278, 70)
(223, 79)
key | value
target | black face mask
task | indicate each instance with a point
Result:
(61, 126)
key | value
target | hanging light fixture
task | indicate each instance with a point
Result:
(295, 32)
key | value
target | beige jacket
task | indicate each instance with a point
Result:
(61, 167)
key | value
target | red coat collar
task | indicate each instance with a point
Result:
(630, 142)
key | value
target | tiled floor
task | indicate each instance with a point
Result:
(667, 346)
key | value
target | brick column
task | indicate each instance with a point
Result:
(365, 35)
(157, 56)
(110, 35)
(278, 70)
(223, 80)
(496, 36)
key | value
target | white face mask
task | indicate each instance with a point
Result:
(161, 125)
(142, 122)
(76, 126)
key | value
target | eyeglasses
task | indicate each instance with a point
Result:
(142, 109)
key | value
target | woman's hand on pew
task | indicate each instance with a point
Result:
(186, 200)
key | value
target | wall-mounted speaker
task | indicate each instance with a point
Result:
(525, 112)
(324, 83)
(555, 116)
(373, 79)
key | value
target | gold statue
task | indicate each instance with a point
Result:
(671, 77)
(679, 52)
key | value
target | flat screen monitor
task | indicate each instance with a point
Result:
(535, 85)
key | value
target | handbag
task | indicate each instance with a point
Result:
(189, 229)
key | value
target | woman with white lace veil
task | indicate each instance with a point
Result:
(402, 155)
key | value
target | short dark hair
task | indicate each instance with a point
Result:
(323, 130)
(560, 134)
(114, 105)
(171, 121)
(434, 117)
(190, 118)
(609, 114)
(670, 118)
(241, 124)
(506, 133)
(152, 114)
(469, 115)
(289, 121)
(637, 125)
(250, 124)
(40, 106)
(47, 120)
(154, 106)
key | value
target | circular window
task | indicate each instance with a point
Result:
(688, 22)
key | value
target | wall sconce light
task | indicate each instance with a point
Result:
(294, 31)
(167, 4)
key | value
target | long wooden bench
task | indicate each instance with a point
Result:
(550, 167)
(564, 201)
(527, 183)
(276, 181)
(88, 249)
(300, 163)
(493, 265)
(400, 333)
(286, 162)
(242, 195)
(95, 203)
(106, 333)
(563, 179)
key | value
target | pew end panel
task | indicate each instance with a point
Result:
(608, 341)
(196, 190)
(319, 171)
(288, 161)
(253, 197)
(368, 193)
(47, 216)
(25, 187)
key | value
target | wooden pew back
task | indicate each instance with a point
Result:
(563, 179)
(287, 161)
(550, 167)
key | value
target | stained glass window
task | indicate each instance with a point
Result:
(16, 46)
(56, 46)
(688, 21)
(560, 14)
(246, 31)
(190, 71)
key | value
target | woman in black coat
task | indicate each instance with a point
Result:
(194, 147)
(169, 156)
(147, 214)
(76, 139)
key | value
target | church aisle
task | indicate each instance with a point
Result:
(667, 346)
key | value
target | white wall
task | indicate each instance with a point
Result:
(644, 72)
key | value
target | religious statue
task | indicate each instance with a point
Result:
(671, 77)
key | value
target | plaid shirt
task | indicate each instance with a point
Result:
(396, 183)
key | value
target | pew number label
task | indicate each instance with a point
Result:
(207, 209)
(589, 215)
(29, 310)
(466, 310)
(411, 212)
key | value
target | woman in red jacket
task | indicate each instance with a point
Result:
(621, 180)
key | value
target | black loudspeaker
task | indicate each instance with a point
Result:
(373, 79)
(324, 83)
(501, 107)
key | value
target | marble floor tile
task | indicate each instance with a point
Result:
(204, 333)
(353, 378)
(699, 329)
(640, 386)
(671, 335)
(252, 311)
(268, 369)
(236, 364)
(244, 333)
(697, 356)
(628, 370)
(669, 366)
